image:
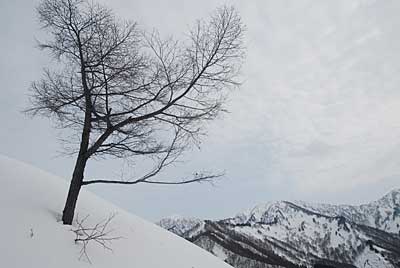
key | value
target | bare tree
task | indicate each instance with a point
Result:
(128, 93)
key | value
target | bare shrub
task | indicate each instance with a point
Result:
(99, 234)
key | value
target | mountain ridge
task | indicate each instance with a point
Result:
(303, 234)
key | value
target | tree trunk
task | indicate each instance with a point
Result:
(79, 170)
(73, 192)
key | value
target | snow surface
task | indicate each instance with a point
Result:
(31, 236)
(368, 259)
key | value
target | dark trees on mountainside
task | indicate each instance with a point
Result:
(132, 94)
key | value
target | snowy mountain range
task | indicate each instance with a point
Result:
(300, 234)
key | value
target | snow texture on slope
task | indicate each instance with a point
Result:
(30, 203)
(304, 234)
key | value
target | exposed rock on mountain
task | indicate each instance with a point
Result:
(300, 234)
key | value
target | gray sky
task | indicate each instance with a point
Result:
(317, 118)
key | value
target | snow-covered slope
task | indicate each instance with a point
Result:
(31, 236)
(383, 214)
(303, 235)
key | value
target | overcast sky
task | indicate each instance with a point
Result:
(317, 117)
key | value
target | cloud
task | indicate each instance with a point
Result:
(324, 90)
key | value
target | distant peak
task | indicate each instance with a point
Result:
(178, 219)
(175, 217)
(393, 196)
(395, 190)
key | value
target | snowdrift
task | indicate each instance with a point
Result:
(31, 236)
